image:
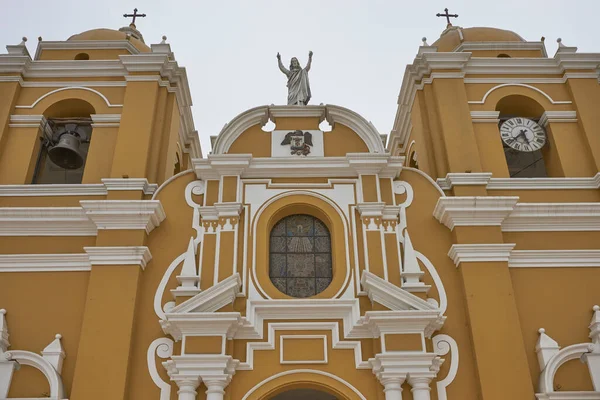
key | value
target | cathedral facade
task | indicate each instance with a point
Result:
(458, 258)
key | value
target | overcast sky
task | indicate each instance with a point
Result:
(360, 48)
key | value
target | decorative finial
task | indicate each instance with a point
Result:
(164, 40)
(447, 15)
(58, 336)
(559, 41)
(541, 330)
(2, 311)
(596, 308)
(424, 40)
(543, 39)
(39, 39)
(24, 39)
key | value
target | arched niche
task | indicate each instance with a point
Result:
(523, 164)
(303, 379)
(307, 203)
(99, 102)
(63, 116)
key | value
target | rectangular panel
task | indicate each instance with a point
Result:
(303, 349)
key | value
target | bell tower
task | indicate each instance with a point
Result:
(98, 107)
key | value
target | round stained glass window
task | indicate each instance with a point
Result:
(300, 256)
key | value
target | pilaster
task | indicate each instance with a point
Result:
(586, 97)
(489, 143)
(456, 126)
(132, 150)
(22, 139)
(105, 343)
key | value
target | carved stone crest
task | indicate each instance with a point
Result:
(300, 142)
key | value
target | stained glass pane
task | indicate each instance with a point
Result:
(300, 256)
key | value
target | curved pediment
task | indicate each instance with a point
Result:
(350, 133)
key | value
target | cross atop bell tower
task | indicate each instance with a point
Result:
(135, 15)
(447, 15)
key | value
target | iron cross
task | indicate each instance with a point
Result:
(135, 14)
(447, 15)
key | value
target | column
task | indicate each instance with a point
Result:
(487, 136)
(392, 387)
(187, 389)
(586, 96)
(215, 388)
(420, 387)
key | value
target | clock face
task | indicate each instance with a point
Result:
(522, 134)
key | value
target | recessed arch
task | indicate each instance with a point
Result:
(301, 202)
(308, 378)
(503, 85)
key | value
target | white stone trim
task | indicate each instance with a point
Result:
(557, 116)
(554, 258)
(85, 45)
(124, 214)
(500, 46)
(533, 217)
(249, 167)
(474, 210)
(544, 183)
(163, 348)
(485, 116)
(497, 252)
(282, 355)
(464, 179)
(44, 262)
(334, 114)
(119, 255)
(45, 221)
(303, 371)
(540, 91)
(130, 184)
(442, 345)
(86, 189)
(42, 97)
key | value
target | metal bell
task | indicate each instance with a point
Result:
(66, 153)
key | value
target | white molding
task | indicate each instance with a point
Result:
(496, 252)
(89, 189)
(391, 296)
(533, 217)
(58, 84)
(85, 45)
(334, 114)
(45, 221)
(247, 166)
(44, 262)
(568, 396)
(464, 179)
(442, 345)
(124, 214)
(213, 298)
(163, 347)
(554, 258)
(130, 184)
(508, 46)
(119, 255)
(105, 118)
(474, 210)
(42, 97)
(544, 183)
(485, 116)
(303, 371)
(557, 116)
(281, 352)
(540, 91)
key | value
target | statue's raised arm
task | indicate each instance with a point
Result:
(281, 67)
(308, 64)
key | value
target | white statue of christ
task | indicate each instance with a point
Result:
(298, 86)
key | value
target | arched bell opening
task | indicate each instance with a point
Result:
(525, 142)
(65, 138)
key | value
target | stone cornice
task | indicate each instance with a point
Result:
(453, 179)
(124, 214)
(45, 221)
(85, 45)
(473, 211)
(130, 184)
(533, 217)
(44, 262)
(554, 258)
(498, 252)
(249, 167)
(119, 255)
(86, 189)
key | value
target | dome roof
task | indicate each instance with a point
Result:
(110, 34)
(450, 38)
